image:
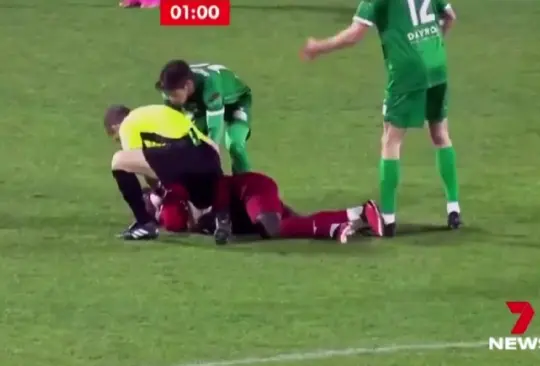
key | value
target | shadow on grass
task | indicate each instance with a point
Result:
(251, 244)
(360, 245)
(430, 235)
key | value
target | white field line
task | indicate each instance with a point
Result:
(331, 353)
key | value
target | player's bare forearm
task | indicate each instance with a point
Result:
(344, 39)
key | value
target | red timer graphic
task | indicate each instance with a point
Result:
(195, 12)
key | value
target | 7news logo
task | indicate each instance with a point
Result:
(517, 342)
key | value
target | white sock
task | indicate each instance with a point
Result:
(452, 207)
(389, 218)
(333, 229)
(354, 213)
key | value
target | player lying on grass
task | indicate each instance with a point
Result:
(256, 208)
(160, 143)
(411, 34)
(216, 99)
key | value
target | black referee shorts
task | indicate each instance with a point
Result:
(182, 162)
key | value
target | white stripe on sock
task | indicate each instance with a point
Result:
(354, 213)
(389, 218)
(452, 207)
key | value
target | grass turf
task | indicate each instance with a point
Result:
(73, 295)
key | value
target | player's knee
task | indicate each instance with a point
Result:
(132, 161)
(124, 160)
(439, 134)
(392, 136)
(269, 223)
(391, 142)
(117, 161)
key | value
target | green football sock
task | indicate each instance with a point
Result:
(235, 140)
(446, 163)
(389, 180)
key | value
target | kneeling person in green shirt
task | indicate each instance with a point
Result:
(216, 99)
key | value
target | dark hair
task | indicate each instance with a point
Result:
(114, 115)
(174, 75)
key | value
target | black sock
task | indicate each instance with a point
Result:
(131, 190)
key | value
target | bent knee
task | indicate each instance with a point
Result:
(118, 161)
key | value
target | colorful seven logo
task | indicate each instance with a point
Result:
(526, 314)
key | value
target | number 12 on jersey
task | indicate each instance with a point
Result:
(195, 12)
(423, 14)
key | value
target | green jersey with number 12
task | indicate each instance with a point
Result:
(411, 38)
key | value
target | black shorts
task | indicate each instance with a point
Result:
(175, 163)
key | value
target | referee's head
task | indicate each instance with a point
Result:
(176, 81)
(114, 115)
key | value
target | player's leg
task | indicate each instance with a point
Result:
(221, 206)
(401, 111)
(236, 136)
(266, 210)
(338, 224)
(436, 115)
(125, 166)
(237, 132)
(168, 164)
(263, 206)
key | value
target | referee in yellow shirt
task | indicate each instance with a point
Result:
(159, 142)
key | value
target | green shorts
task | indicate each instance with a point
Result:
(413, 109)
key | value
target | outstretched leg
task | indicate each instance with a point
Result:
(337, 225)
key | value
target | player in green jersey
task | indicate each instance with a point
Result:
(216, 99)
(411, 33)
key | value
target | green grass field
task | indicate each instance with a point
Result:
(72, 295)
